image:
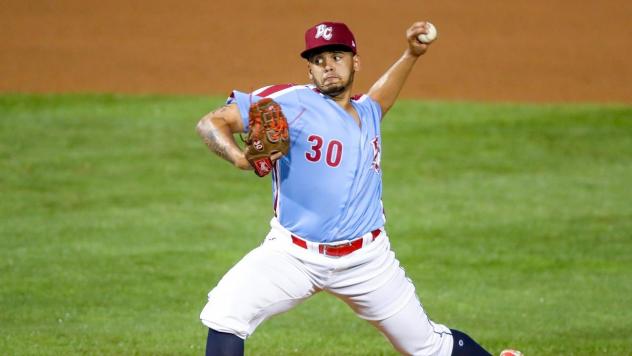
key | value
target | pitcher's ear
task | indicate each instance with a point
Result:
(356, 63)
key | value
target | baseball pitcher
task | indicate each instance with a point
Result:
(321, 146)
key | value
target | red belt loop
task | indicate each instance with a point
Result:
(338, 250)
(299, 242)
(375, 233)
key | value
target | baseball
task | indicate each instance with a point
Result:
(430, 36)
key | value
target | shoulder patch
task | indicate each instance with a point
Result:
(357, 97)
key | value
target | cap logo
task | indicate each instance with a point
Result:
(324, 31)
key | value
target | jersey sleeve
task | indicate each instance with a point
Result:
(243, 101)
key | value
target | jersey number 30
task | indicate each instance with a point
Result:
(333, 151)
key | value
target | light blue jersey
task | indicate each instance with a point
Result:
(329, 186)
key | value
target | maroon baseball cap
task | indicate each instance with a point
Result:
(328, 34)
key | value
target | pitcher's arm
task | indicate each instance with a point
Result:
(387, 88)
(217, 128)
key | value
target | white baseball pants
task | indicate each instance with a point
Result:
(279, 275)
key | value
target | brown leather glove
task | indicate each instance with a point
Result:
(268, 135)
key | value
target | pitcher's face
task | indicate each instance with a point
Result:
(332, 71)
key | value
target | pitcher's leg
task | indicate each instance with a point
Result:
(264, 283)
(411, 332)
(378, 290)
(223, 344)
(464, 345)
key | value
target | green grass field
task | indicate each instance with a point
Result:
(514, 222)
